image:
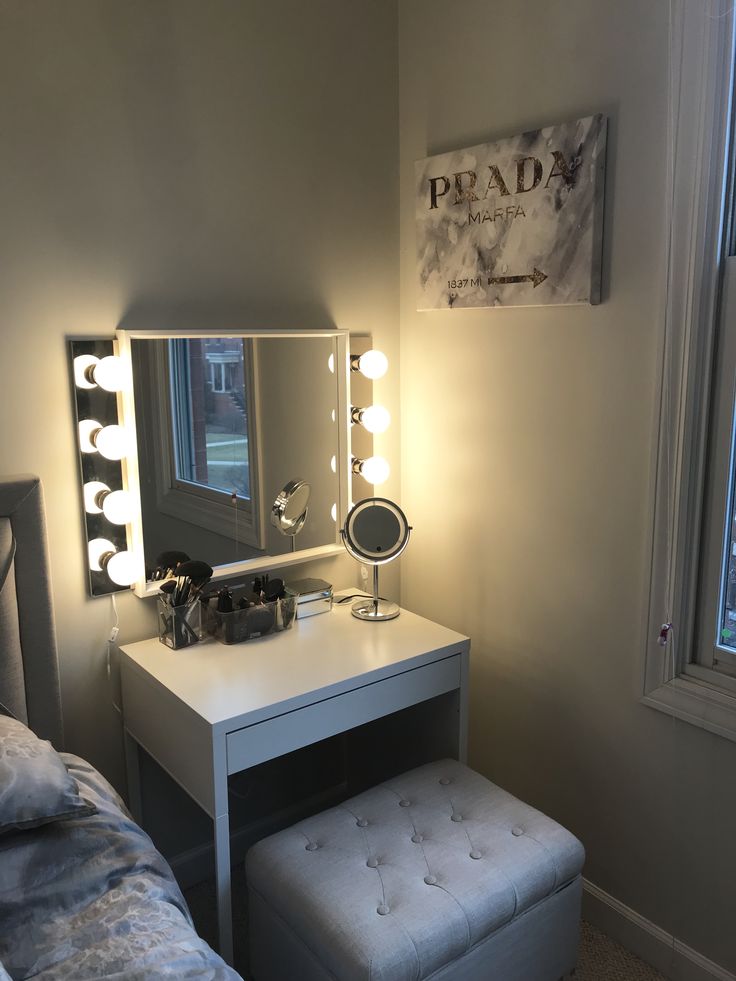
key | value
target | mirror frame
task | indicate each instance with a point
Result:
(266, 562)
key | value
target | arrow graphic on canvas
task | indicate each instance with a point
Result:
(535, 277)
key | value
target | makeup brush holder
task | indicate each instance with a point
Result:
(179, 626)
(256, 621)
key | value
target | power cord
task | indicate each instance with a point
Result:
(344, 599)
(112, 637)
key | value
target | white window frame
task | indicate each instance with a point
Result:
(701, 84)
(201, 505)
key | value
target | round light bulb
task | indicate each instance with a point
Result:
(333, 512)
(331, 363)
(375, 418)
(96, 548)
(118, 507)
(91, 489)
(375, 469)
(122, 568)
(333, 464)
(81, 364)
(112, 373)
(373, 364)
(112, 442)
(87, 427)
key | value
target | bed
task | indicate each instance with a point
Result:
(83, 892)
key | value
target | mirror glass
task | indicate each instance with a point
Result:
(376, 531)
(291, 507)
(223, 425)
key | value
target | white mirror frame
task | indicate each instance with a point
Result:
(265, 562)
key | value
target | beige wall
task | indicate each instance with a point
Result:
(181, 164)
(527, 449)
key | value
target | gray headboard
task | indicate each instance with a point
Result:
(29, 671)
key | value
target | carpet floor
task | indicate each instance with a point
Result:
(599, 958)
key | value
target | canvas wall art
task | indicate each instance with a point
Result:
(517, 222)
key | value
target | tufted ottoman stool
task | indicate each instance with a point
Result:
(435, 874)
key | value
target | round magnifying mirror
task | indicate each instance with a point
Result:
(376, 531)
(289, 511)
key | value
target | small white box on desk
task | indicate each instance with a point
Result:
(313, 596)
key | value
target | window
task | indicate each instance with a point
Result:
(693, 675)
(209, 416)
(202, 399)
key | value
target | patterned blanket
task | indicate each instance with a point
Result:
(91, 898)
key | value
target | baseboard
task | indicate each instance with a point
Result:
(668, 955)
(198, 863)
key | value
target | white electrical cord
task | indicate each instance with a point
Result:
(112, 637)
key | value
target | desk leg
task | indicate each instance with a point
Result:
(222, 879)
(222, 852)
(463, 714)
(133, 774)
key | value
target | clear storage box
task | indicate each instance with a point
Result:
(255, 621)
(179, 626)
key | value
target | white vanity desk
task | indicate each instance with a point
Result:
(212, 710)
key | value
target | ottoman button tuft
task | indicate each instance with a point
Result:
(362, 823)
(312, 847)
(444, 781)
(517, 831)
(417, 839)
(431, 880)
(475, 854)
(404, 803)
(456, 817)
(372, 863)
(382, 910)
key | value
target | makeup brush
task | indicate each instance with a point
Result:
(167, 562)
(191, 577)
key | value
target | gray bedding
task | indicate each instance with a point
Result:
(91, 898)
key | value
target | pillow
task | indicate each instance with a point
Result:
(35, 786)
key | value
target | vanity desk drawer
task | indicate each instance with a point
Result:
(254, 744)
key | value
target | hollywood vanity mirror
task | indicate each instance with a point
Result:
(224, 422)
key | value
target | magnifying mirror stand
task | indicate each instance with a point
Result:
(376, 531)
(375, 608)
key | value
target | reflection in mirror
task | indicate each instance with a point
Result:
(222, 424)
(290, 509)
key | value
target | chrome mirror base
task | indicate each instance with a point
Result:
(374, 609)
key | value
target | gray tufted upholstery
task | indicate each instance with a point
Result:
(408, 878)
(29, 673)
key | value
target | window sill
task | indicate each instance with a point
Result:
(699, 702)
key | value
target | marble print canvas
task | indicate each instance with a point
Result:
(513, 223)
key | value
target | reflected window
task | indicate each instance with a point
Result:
(209, 413)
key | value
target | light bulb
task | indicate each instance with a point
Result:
(112, 442)
(373, 364)
(333, 512)
(96, 549)
(331, 363)
(375, 469)
(118, 507)
(112, 373)
(333, 464)
(375, 418)
(87, 429)
(82, 364)
(91, 489)
(122, 568)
